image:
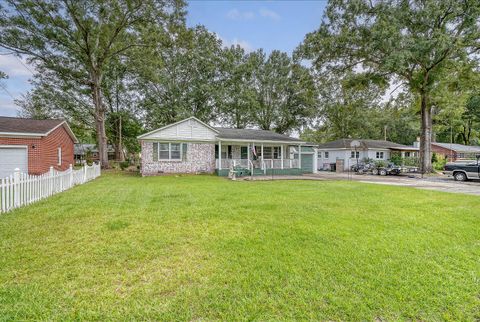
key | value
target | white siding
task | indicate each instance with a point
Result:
(188, 130)
(324, 163)
(372, 154)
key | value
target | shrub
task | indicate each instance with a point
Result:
(396, 159)
(124, 165)
(439, 163)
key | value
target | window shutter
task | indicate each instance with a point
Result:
(155, 151)
(184, 151)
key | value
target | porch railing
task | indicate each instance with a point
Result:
(260, 164)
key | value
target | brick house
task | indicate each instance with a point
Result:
(455, 152)
(191, 146)
(34, 146)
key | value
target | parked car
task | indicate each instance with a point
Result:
(463, 171)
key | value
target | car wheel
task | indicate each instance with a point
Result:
(460, 176)
(375, 171)
(383, 172)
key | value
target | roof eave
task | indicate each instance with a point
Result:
(260, 141)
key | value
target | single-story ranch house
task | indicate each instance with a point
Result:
(191, 146)
(34, 146)
(455, 152)
(341, 151)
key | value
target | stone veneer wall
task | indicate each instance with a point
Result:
(200, 158)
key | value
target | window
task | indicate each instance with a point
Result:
(326, 155)
(59, 156)
(379, 155)
(277, 152)
(243, 152)
(164, 151)
(407, 154)
(175, 151)
(353, 155)
(168, 151)
(319, 154)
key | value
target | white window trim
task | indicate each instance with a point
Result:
(170, 151)
(380, 155)
(59, 155)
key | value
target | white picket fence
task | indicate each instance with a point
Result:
(20, 189)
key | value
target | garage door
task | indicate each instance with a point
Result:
(11, 158)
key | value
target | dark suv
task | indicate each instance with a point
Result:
(463, 171)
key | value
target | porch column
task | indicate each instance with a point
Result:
(248, 155)
(219, 155)
(262, 154)
(281, 156)
(403, 157)
(299, 156)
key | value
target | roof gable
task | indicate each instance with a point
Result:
(191, 129)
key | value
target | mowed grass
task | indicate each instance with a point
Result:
(204, 248)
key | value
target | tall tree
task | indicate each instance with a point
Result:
(412, 40)
(236, 104)
(180, 77)
(78, 39)
(285, 95)
(349, 107)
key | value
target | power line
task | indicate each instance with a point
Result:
(6, 91)
(24, 65)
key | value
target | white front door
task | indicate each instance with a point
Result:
(11, 158)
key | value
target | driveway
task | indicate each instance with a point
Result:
(439, 183)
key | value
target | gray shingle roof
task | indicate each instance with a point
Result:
(31, 126)
(364, 144)
(458, 147)
(251, 134)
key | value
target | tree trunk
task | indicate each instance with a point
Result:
(99, 120)
(426, 135)
(120, 157)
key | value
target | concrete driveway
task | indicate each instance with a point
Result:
(437, 182)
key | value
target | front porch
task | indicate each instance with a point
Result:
(257, 158)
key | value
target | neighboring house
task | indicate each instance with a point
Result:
(455, 152)
(341, 151)
(191, 146)
(82, 152)
(34, 146)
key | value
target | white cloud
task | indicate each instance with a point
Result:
(267, 13)
(236, 14)
(13, 66)
(242, 43)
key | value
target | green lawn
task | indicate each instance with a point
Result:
(204, 248)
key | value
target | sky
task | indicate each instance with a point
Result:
(253, 25)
